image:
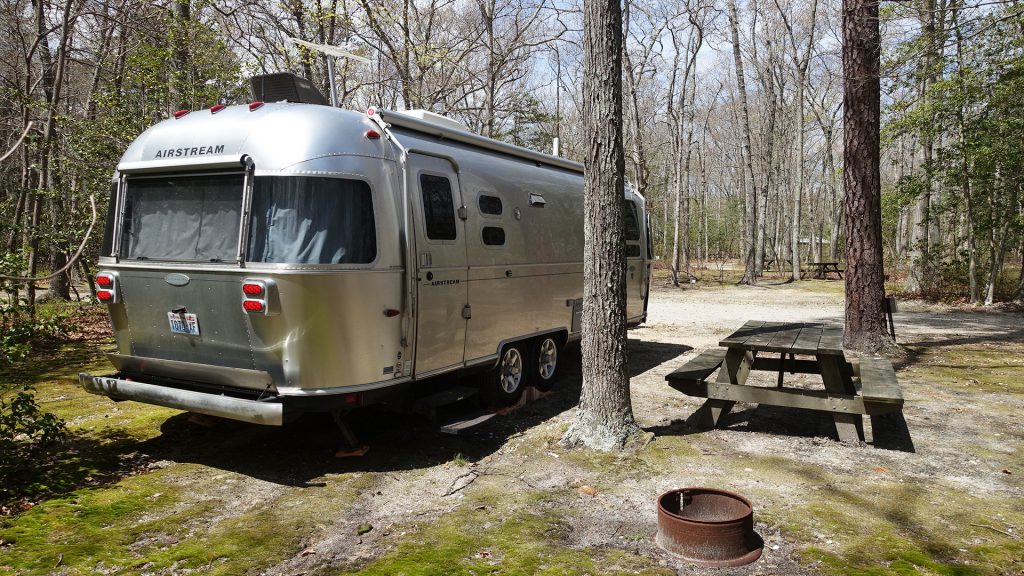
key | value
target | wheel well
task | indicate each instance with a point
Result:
(529, 341)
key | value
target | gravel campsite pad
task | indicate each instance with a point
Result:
(144, 490)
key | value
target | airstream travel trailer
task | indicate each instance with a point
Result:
(270, 259)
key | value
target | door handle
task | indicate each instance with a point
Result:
(508, 273)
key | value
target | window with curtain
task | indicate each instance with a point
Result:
(312, 220)
(184, 218)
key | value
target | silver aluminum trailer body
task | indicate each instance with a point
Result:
(384, 250)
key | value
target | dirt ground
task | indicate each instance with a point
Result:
(937, 493)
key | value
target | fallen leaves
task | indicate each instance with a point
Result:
(587, 491)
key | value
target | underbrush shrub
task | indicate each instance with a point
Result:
(24, 424)
(28, 434)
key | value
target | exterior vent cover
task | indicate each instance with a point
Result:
(285, 86)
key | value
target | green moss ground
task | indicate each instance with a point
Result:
(99, 508)
(495, 532)
(981, 367)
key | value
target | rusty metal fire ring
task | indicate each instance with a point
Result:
(707, 526)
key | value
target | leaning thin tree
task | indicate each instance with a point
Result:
(604, 420)
(862, 205)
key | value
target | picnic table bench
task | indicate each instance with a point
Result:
(821, 270)
(748, 348)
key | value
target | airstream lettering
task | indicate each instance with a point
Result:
(271, 260)
(193, 151)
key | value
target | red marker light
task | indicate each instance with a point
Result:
(105, 295)
(217, 108)
(252, 289)
(353, 399)
(372, 135)
(371, 111)
(253, 305)
(391, 312)
(254, 105)
(105, 280)
(180, 113)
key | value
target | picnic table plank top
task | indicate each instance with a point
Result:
(831, 341)
(787, 338)
(740, 336)
(784, 338)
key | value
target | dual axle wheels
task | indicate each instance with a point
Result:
(531, 363)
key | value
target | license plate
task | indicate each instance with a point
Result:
(184, 323)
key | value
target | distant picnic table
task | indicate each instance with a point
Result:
(823, 269)
(749, 348)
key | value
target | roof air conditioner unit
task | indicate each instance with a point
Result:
(285, 86)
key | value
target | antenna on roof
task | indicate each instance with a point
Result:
(331, 52)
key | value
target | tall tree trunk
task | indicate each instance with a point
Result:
(998, 238)
(862, 205)
(181, 18)
(801, 60)
(604, 420)
(917, 271)
(750, 270)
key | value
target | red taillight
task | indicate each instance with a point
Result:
(217, 108)
(254, 105)
(253, 305)
(104, 280)
(105, 295)
(258, 295)
(353, 399)
(372, 135)
(180, 113)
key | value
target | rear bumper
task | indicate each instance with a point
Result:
(270, 412)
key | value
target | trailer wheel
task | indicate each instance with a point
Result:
(545, 365)
(503, 385)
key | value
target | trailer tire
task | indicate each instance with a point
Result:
(545, 362)
(503, 385)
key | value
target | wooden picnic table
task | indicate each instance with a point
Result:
(823, 269)
(820, 348)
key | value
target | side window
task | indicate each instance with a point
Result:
(490, 205)
(632, 224)
(633, 249)
(493, 236)
(438, 208)
(108, 225)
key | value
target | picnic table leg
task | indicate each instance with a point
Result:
(711, 413)
(849, 427)
(734, 370)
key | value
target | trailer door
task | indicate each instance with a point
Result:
(441, 276)
(636, 273)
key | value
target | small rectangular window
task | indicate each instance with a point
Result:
(493, 236)
(632, 250)
(490, 205)
(438, 208)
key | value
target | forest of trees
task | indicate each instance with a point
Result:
(733, 117)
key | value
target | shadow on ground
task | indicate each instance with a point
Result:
(889, 431)
(645, 355)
